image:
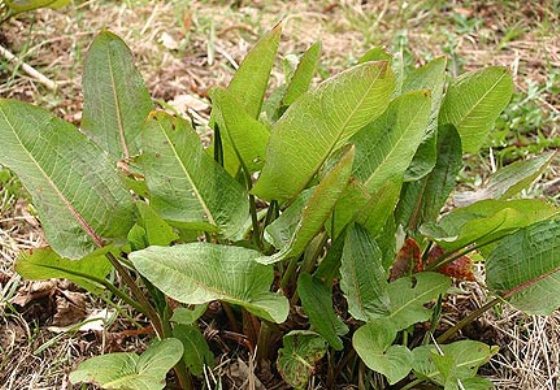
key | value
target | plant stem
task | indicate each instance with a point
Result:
(309, 261)
(468, 319)
(137, 293)
(412, 384)
(230, 316)
(263, 342)
(289, 273)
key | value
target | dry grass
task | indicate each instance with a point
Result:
(183, 48)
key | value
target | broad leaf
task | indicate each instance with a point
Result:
(245, 134)
(474, 101)
(447, 364)
(432, 77)
(363, 279)
(199, 273)
(127, 370)
(301, 79)
(508, 181)
(80, 199)
(407, 297)
(525, 267)
(316, 211)
(188, 188)
(196, 353)
(316, 299)
(319, 122)
(297, 358)
(385, 147)
(486, 221)
(373, 343)
(116, 101)
(422, 200)
(44, 263)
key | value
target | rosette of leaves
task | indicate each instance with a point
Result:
(294, 219)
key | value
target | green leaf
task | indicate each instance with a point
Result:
(446, 364)
(248, 86)
(508, 181)
(189, 189)
(196, 353)
(363, 279)
(301, 79)
(319, 122)
(116, 101)
(297, 358)
(250, 81)
(385, 147)
(430, 76)
(373, 343)
(408, 295)
(316, 211)
(157, 231)
(316, 299)
(245, 134)
(79, 197)
(185, 316)
(44, 263)
(485, 221)
(474, 101)
(127, 370)
(30, 5)
(375, 54)
(198, 273)
(525, 267)
(422, 200)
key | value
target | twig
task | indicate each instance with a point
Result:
(28, 68)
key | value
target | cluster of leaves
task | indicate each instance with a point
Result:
(352, 176)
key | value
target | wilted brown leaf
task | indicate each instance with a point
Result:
(461, 269)
(408, 260)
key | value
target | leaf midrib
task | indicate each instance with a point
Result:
(118, 108)
(195, 190)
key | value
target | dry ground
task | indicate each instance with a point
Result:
(185, 47)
